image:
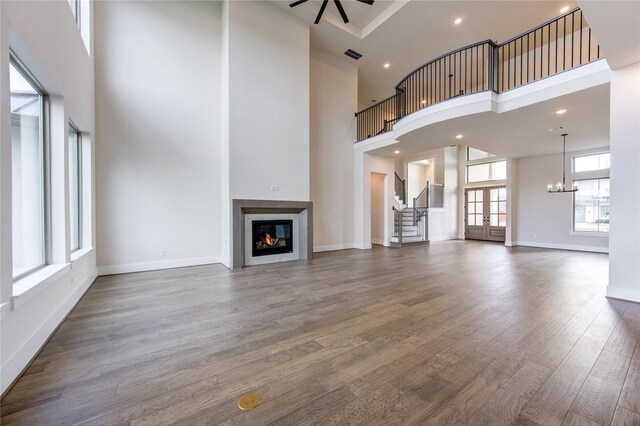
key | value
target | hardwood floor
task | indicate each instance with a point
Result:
(452, 333)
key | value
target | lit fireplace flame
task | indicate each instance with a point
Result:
(268, 240)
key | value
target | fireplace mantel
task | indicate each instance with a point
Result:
(304, 209)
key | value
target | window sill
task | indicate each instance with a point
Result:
(80, 253)
(589, 234)
(4, 310)
(27, 287)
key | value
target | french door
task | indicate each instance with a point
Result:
(486, 213)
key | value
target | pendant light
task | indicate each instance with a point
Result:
(560, 186)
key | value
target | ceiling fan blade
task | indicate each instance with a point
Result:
(369, 2)
(295, 3)
(324, 5)
(341, 10)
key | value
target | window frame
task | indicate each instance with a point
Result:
(592, 154)
(483, 162)
(573, 215)
(44, 136)
(78, 166)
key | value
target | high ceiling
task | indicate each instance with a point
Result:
(407, 34)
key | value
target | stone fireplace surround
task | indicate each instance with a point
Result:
(304, 210)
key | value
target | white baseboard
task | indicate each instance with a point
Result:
(332, 247)
(362, 246)
(561, 246)
(623, 294)
(442, 238)
(378, 242)
(14, 367)
(153, 266)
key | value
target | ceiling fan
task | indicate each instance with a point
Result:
(324, 5)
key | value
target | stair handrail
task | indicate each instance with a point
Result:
(417, 213)
(400, 187)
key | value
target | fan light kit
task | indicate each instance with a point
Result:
(343, 14)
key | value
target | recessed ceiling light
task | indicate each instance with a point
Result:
(561, 111)
(564, 9)
(387, 65)
(396, 152)
(459, 136)
(458, 21)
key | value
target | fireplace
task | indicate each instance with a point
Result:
(289, 225)
(271, 237)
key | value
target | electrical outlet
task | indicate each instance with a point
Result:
(275, 187)
(162, 253)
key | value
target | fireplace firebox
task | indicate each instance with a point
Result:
(272, 237)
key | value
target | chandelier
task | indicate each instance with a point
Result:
(561, 186)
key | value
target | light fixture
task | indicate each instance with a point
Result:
(396, 152)
(564, 9)
(387, 65)
(561, 111)
(423, 102)
(459, 136)
(560, 186)
(458, 21)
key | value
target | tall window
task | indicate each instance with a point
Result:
(496, 170)
(75, 187)
(27, 168)
(591, 206)
(75, 9)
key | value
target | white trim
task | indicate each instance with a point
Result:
(14, 367)
(362, 246)
(443, 238)
(377, 241)
(80, 253)
(623, 294)
(27, 287)
(562, 246)
(590, 234)
(5, 308)
(153, 266)
(333, 247)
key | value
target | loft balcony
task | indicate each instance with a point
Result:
(561, 44)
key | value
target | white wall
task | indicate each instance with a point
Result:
(334, 90)
(269, 103)
(624, 258)
(416, 181)
(443, 222)
(158, 133)
(45, 37)
(377, 208)
(543, 219)
(265, 144)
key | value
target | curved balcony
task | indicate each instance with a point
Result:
(553, 47)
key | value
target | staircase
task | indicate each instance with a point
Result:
(410, 232)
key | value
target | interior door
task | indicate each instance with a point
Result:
(475, 214)
(486, 213)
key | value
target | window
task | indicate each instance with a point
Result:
(587, 163)
(476, 154)
(591, 206)
(28, 171)
(496, 170)
(75, 187)
(75, 9)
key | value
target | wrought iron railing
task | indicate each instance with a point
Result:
(400, 188)
(558, 45)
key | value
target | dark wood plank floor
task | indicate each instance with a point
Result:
(452, 333)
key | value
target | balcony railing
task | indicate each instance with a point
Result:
(555, 46)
